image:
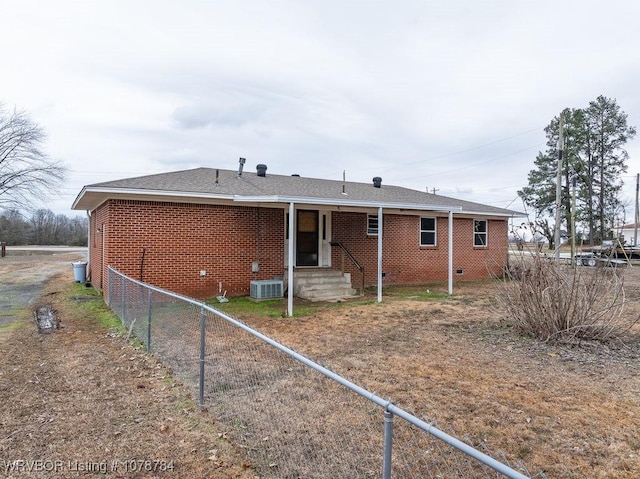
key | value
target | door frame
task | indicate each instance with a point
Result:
(324, 238)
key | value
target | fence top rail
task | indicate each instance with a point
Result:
(386, 404)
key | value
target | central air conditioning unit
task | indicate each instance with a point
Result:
(267, 289)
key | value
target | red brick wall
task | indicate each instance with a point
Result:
(180, 240)
(405, 261)
(97, 223)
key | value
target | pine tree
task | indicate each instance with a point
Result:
(593, 151)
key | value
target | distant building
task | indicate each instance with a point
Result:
(628, 234)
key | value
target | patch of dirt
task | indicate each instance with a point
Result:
(24, 274)
(83, 402)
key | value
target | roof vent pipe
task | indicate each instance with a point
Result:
(377, 182)
(262, 170)
(242, 162)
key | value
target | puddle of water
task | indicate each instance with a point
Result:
(46, 319)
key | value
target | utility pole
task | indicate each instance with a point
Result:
(636, 217)
(559, 192)
(573, 220)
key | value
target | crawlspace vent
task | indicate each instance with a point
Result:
(265, 289)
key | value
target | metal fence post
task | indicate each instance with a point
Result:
(388, 442)
(124, 301)
(203, 320)
(149, 324)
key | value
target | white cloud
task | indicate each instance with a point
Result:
(450, 95)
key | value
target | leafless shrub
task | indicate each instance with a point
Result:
(556, 302)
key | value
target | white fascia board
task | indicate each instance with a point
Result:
(337, 202)
(501, 215)
(80, 195)
(144, 193)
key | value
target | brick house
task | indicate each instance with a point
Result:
(203, 231)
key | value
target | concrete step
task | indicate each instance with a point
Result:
(327, 295)
(337, 280)
(322, 285)
(317, 273)
(330, 298)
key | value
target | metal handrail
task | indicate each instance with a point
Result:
(353, 260)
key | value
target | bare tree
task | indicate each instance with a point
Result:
(26, 172)
(14, 228)
(43, 227)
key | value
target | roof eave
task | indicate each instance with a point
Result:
(92, 197)
(342, 202)
(508, 214)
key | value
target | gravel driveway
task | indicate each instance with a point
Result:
(24, 271)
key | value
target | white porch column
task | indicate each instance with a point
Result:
(380, 255)
(89, 242)
(450, 252)
(291, 261)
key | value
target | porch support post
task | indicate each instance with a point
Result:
(450, 252)
(89, 243)
(290, 265)
(380, 254)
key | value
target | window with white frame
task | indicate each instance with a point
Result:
(372, 225)
(427, 231)
(479, 232)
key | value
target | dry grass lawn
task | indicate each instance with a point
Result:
(571, 412)
(83, 394)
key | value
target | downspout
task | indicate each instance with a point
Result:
(103, 269)
(450, 253)
(88, 278)
(258, 239)
(290, 265)
(380, 254)
(144, 251)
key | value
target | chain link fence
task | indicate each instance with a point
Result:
(293, 417)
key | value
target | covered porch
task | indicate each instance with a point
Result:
(310, 241)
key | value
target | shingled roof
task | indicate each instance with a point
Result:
(210, 185)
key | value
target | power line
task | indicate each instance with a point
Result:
(472, 148)
(471, 165)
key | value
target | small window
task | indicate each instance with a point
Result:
(479, 232)
(427, 231)
(372, 225)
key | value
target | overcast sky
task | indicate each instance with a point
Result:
(451, 95)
